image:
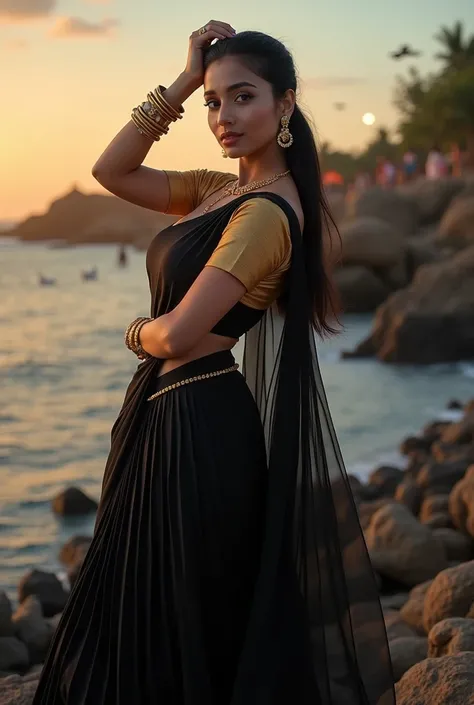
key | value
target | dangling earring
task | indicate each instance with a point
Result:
(285, 138)
(224, 153)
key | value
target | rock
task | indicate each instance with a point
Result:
(47, 588)
(461, 503)
(32, 629)
(415, 443)
(431, 320)
(412, 610)
(396, 627)
(394, 602)
(448, 680)
(16, 690)
(402, 548)
(54, 621)
(456, 229)
(438, 521)
(386, 479)
(6, 625)
(409, 494)
(435, 504)
(433, 431)
(454, 404)
(432, 196)
(418, 253)
(458, 547)
(460, 433)
(13, 654)
(390, 206)
(406, 652)
(440, 478)
(366, 511)
(73, 502)
(361, 291)
(373, 243)
(451, 636)
(450, 595)
(74, 550)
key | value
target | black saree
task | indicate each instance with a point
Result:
(228, 565)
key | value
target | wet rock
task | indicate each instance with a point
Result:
(32, 629)
(448, 680)
(402, 548)
(415, 443)
(13, 654)
(73, 502)
(360, 290)
(458, 546)
(409, 494)
(413, 609)
(461, 503)
(6, 625)
(406, 652)
(386, 479)
(47, 588)
(451, 636)
(450, 595)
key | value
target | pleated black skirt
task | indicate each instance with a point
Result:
(159, 612)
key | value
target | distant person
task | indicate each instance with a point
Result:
(385, 173)
(436, 166)
(410, 165)
(122, 257)
(228, 564)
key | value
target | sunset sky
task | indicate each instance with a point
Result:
(72, 70)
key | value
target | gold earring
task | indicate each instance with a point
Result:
(224, 153)
(285, 138)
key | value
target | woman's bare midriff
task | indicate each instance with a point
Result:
(210, 344)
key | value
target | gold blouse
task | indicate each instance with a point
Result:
(255, 246)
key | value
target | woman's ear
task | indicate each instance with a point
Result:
(288, 102)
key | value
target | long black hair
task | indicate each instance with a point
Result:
(270, 59)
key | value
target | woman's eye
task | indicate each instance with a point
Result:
(245, 97)
(211, 104)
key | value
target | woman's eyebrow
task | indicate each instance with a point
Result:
(231, 88)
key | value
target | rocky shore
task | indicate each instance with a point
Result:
(419, 527)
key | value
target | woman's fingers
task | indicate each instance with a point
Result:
(218, 30)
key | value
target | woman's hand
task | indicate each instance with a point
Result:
(200, 40)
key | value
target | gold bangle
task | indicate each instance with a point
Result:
(136, 335)
(153, 124)
(155, 114)
(144, 127)
(158, 92)
(161, 107)
(129, 333)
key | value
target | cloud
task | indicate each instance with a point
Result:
(322, 82)
(66, 27)
(12, 11)
(15, 44)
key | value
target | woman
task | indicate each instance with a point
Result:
(228, 565)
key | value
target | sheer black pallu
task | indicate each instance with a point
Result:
(315, 634)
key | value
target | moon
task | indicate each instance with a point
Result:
(368, 118)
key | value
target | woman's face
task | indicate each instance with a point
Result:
(242, 111)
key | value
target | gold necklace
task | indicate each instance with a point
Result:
(235, 190)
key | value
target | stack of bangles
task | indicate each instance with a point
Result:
(132, 337)
(153, 117)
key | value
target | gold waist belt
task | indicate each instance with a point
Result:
(197, 378)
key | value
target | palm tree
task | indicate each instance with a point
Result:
(458, 51)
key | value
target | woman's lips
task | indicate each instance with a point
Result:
(230, 140)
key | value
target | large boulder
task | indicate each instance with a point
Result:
(390, 206)
(73, 502)
(33, 629)
(451, 636)
(372, 243)
(431, 320)
(406, 652)
(456, 229)
(13, 654)
(432, 196)
(458, 546)
(461, 503)
(413, 609)
(47, 588)
(403, 549)
(361, 291)
(451, 594)
(6, 612)
(396, 627)
(448, 680)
